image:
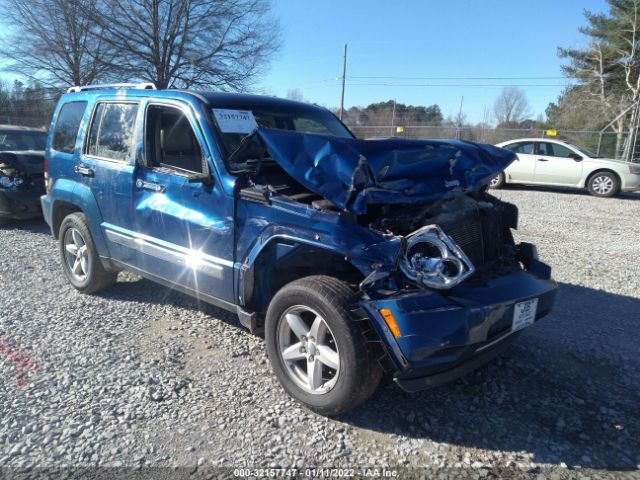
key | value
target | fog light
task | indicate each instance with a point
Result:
(390, 321)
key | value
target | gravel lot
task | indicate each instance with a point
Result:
(142, 376)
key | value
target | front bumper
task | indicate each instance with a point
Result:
(20, 202)
(446, 334)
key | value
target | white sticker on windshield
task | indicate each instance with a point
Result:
(235, 121)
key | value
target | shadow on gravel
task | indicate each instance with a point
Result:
(568, 191)
(557, 393)
(34, 225)
(145, 291)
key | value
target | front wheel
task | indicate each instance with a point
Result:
(603, 184)
(316, 349)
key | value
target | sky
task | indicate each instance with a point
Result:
(422, 52)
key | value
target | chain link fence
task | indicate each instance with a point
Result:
(610, 142)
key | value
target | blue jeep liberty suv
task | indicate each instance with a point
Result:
(354, 258)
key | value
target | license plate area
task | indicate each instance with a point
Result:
(524, 314)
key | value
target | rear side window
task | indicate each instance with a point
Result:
(67, 125)
(112, 131)
(554, 150)
(521, 147)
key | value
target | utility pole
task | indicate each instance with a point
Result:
(393, 118)
(344, 76)
(459, 120)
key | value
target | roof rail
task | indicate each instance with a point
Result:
(136, 86)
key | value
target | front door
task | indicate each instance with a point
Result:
(557, 165)
(184, 221)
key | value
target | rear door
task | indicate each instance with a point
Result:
(557, 164)
(107, 162)
(523, 169)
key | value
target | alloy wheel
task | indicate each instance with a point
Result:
(76, 254)
(602, 184)
(495, 181)
(308, 350)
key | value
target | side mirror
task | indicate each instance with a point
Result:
(204, 178)
(576, 157)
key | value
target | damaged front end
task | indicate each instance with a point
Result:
(21, 184)
(443, 281)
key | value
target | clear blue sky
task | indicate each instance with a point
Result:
(421, 38)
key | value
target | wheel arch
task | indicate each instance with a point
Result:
(69, 197)
(281, 261)
(601, 170)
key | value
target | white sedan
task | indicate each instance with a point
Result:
(543, 161)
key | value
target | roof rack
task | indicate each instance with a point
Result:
(136, 86)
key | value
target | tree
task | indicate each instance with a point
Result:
(511, 107)
(188, 43)
(53, 40)
(608, 69)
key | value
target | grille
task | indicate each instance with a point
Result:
(478, 234)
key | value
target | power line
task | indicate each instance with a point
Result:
(457, 78)
(456, 85)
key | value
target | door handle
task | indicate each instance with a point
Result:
(154, 187)
(543, 160)
(83, 170)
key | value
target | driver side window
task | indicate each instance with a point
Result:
(170, 142)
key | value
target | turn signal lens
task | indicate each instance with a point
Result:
(390, 321)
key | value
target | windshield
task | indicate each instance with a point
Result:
(584, 151)
(22, 140)
(235, 125)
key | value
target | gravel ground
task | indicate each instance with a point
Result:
(142, 376)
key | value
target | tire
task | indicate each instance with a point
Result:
(90, 276)
(497, 181)
(603, 184)
(358, 373)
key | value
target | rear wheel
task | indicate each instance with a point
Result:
(316, 350)
(497, 181)
(80, 260)
(603, 184)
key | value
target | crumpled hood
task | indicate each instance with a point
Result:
(28, 162)
(353, 173)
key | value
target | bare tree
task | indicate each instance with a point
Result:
(53, 40)
(511, 107)
(189, 43)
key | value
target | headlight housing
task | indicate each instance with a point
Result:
(431, 258)
(634, 169)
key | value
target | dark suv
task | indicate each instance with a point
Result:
(353, 257)
(21, 172)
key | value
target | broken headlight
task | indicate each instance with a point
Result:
(431, 258)
(8, 182)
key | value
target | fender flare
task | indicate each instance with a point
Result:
(245, 273)
(82, 197)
